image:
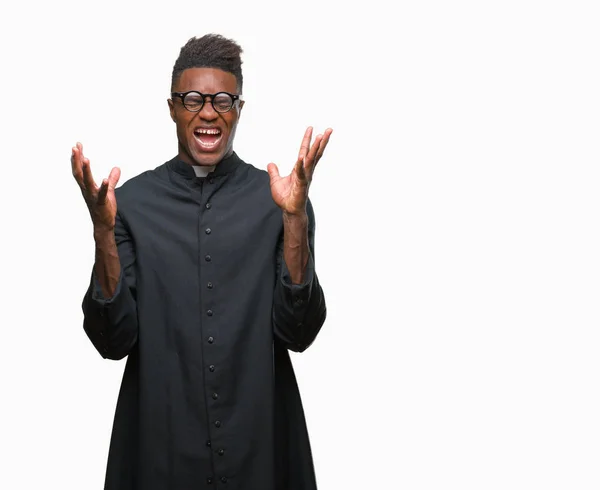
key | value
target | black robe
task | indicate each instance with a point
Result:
(206, 312)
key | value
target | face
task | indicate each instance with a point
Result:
(205, 137)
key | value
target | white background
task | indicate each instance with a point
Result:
(457, 227)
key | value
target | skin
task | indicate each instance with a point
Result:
(205, 81)
(290, 193)
(102, 205)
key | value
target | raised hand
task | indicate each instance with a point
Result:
(100, 201)
(291, 193)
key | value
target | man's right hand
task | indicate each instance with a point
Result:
(100, 201)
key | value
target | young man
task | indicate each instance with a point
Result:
(204, 277)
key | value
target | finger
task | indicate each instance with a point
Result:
(88, 179)
(102, 193)
(113, 178)
(299, 170)
(273, 172)
(309, 161)
(323, 144)
(108, 185)
(305, 143)
(76, 165)
(79, 148)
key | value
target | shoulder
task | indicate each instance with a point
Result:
(252, 180)
(141, 185)
(248, 172)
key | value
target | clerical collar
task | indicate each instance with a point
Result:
(203, 171)
(224, 167)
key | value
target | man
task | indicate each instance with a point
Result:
(204, 277)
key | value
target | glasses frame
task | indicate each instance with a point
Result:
(182, 95)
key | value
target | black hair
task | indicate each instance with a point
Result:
(210, 51)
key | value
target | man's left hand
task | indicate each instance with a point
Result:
(291, 193)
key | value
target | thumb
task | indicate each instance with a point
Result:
(273, 172)
(113, 178)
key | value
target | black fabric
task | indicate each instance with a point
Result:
(205, 313)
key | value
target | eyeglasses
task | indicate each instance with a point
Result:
(194, 101)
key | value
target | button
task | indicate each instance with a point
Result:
(101, 334)
(209, 313)
(221, 452)
(208, 205)
(207, 258)
(211, 368)
(215, 396)
(223, 479)
(300, 325)
(211, 340)
(208, 443)
(299, 301)
(207, 231)
(218, 424)
(209, 480)
(105, 349)
(209, 285)
(211, 180)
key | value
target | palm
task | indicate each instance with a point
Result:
(108, 214)
(101, 200)
(287, 190)
(290, 193)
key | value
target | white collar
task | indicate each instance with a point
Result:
(203, 171)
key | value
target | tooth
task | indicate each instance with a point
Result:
(208, 131)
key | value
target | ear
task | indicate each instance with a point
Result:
(171, 109)
(241, 104)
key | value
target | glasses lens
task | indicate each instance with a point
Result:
(193, 102)
(222, 102)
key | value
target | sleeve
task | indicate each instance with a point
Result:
(111, 323)
(299, 310)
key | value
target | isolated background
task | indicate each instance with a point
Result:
(457, 227)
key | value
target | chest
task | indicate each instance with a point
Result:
(224, 228)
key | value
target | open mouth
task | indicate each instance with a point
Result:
(207, 138)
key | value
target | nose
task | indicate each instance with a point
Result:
(208, 112)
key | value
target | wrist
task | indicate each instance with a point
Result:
(299, 217)
(103, 234)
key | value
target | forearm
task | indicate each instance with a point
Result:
(109, 306)
(110, 324)
(295, 245)
(107, 266)
(299, 308)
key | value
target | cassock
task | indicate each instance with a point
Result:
(206, 313)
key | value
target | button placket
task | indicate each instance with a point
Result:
(209, 312)
(209, 285)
